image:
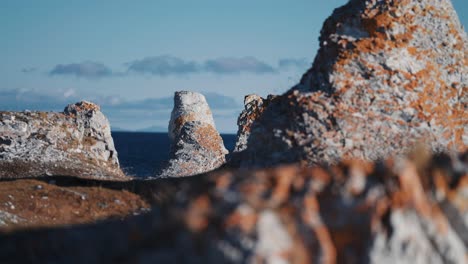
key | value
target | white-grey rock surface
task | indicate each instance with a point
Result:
(77, 143)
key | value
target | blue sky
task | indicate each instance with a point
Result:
(131, 56)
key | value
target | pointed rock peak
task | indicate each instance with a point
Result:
(378, 38)
(196, 145)
(388, 74)
(189, 106)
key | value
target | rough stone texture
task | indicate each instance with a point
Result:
(77, 142)
(388, 74)
(399, 211)
(254, 106)
(196, 146)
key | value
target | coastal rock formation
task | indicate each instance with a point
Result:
(77, 142)
(388, 74)
(399, 211)
(254, 106)
(196, 146)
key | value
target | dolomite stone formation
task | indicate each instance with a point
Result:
(77, 142)
(254, 106)
(411, 210)
(388, 74)
(196, 146)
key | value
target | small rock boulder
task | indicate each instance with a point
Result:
(77, 143)
(196, 146)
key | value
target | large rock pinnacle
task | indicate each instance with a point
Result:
(77, 142)
(388, 74)
(196, 146)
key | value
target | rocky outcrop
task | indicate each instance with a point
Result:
(388, 74)
(196, 146)
(399, 211)
(254, 106)
(77, 142)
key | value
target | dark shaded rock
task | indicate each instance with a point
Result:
(76, 142)
(254, 106)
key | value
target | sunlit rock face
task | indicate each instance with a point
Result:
(196, 146)
(388, 74)
(76, 142)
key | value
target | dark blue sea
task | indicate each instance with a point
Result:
(141, 153)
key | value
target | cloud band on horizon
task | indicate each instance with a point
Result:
(167, 65)
(125, 113)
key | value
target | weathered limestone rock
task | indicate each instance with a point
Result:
(77, 142)
(196, 146)
(398, 211)
(254, 106)
(388, 74)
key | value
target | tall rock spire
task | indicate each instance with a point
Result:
(196, 146)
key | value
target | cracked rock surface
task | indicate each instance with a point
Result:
(76, 142)
(196, 146)
(388, 74)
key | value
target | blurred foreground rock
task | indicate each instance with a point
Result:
(398, 211)
(77, 142)
(388, 74)
(196, 146)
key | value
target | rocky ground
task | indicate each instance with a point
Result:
(28, 203)
(406, 210)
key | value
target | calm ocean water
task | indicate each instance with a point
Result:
(141, 154)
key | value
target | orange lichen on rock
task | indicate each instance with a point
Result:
(383, 79)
